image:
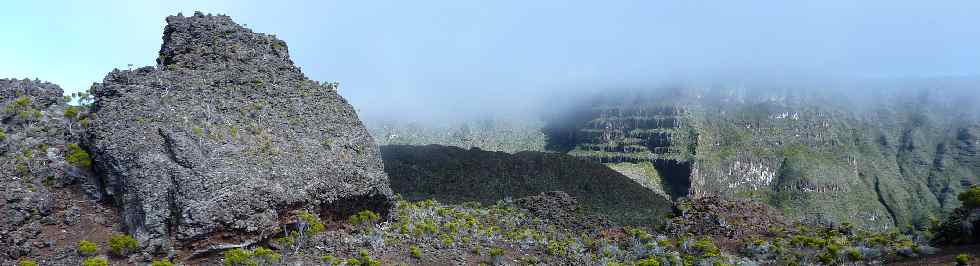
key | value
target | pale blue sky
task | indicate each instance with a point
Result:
(403, 54)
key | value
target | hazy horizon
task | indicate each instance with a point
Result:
(429, 59)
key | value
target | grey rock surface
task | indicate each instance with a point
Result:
(224, 138)
(31, 146)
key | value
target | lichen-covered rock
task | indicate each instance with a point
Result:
(225, 137)
(31, 160)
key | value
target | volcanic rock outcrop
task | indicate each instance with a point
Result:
(31, 159)
(225, 138)
(455, 175)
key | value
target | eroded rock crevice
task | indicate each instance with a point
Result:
(676, 177)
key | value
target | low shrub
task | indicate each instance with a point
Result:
(78, 156)
(260, 256)
(122, 244)
(96, 261)
(87, 248)
(363, 217)
(161, 263)
(962, 259)
(27, 262)
(971, 197)
(415, 251)
(314, 225)
(648, 262)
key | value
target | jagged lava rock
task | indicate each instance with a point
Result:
(225, 137)
(30, 159)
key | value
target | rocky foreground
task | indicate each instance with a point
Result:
(226, 154)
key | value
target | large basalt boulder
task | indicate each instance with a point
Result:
(225, 138)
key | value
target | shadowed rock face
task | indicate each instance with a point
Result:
(454, 175)
(225, 137)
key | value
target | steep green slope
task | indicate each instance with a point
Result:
(879, 159)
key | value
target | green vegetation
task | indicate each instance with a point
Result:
(707, 248)
(72, 112)
(314, 225)
(366, 260)
(95, 261)
(162, 263)
(648, 262)
(3, 134)
(363, 217)
(962, 259)
(415, 251)
(971, 197)
(26, 262)
(78, 156)
(87, 248)
(122, 244)
(260, 256)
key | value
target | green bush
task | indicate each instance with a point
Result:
(260, 256)
(162, 263)
(366, 259)
(266, 256)
(971, 197)
(496, 252)
(363, 217)
(415, 251)
(707, 248)
(962, 259)
(855, 255)
(648, 262)
(95, 262)
(72, 112)
(78, 157)
(314, 223)
(21, 103)
(87, 248)
(27, 262)
(3, 134)
(122, 244)
(239, 257)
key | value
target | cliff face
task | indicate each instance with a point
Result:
(890, 165)
(895, 160)
(225, 138)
